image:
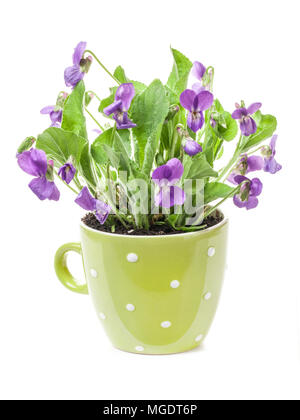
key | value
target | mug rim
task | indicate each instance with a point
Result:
(175, 235)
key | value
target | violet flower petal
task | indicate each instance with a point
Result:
(273, 144)
(254, 108)
(177, 170)
(178, 195)
(125, 94)
(42, 188)
(203, 101)
(165, 198)
(255, 163)
(85, 200)
(33, 162)
(122, 120)
(55, 195)
(195, 121)
(47, 109)
(198, 87)
(162, 174)
(56, 116)
(239, 113)
(170, 196)
(251, 203)
(198, 70)
(187, 99)
(78, 52)
(256, 187)
(238, 179)
(115, 106)
(231, 177)
(248, 126)
(271, 166)
(239, 203)
(102, 211)
(73, 75)
(192, 148)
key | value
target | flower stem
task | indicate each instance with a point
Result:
(102, 65)
(94, 119)
(256, 150)
(69, 186)
(232, 161)
(93, 93)
(174, 141)
(211, 210)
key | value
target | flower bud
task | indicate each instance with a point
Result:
(181, 131)
(50, 171)
(61, 99)
(88, 97)
(266, 151)
(172, 112)
(26, 145)
(85, 64)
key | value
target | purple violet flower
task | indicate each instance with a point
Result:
(270, 164)
(196, 104)
(198, 72)
(191, 147)
(55, 115)
(55, 111)
(245, 165)
(249, 192)
(247, 124)
(88, 202)
(34, 162)
(81, 65)
(67, 172)
(166, 176)
(119, 108)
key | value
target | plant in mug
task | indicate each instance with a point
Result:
(155, 139)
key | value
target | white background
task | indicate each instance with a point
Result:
(52, 344)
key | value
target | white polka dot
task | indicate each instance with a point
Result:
(211, 252)
(102, 316)
(139, 348)
(132, 258)
(130, 307)
(166, 324)
(174, 284)
(199, 338)
(93, 273)
(208, 296)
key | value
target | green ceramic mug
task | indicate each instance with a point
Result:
(153, 294)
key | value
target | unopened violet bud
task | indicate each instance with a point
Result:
(50, 171)
(88, 98)
(266, 151)
(181, 131)
(85, 64)
(61, 99)
(173, 110)
(67, 172)
(191, 147)
(26, 145)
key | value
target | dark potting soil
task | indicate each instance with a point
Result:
(155, 230)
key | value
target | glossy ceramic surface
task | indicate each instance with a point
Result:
(153, 295)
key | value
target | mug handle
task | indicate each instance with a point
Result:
(62, 271)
